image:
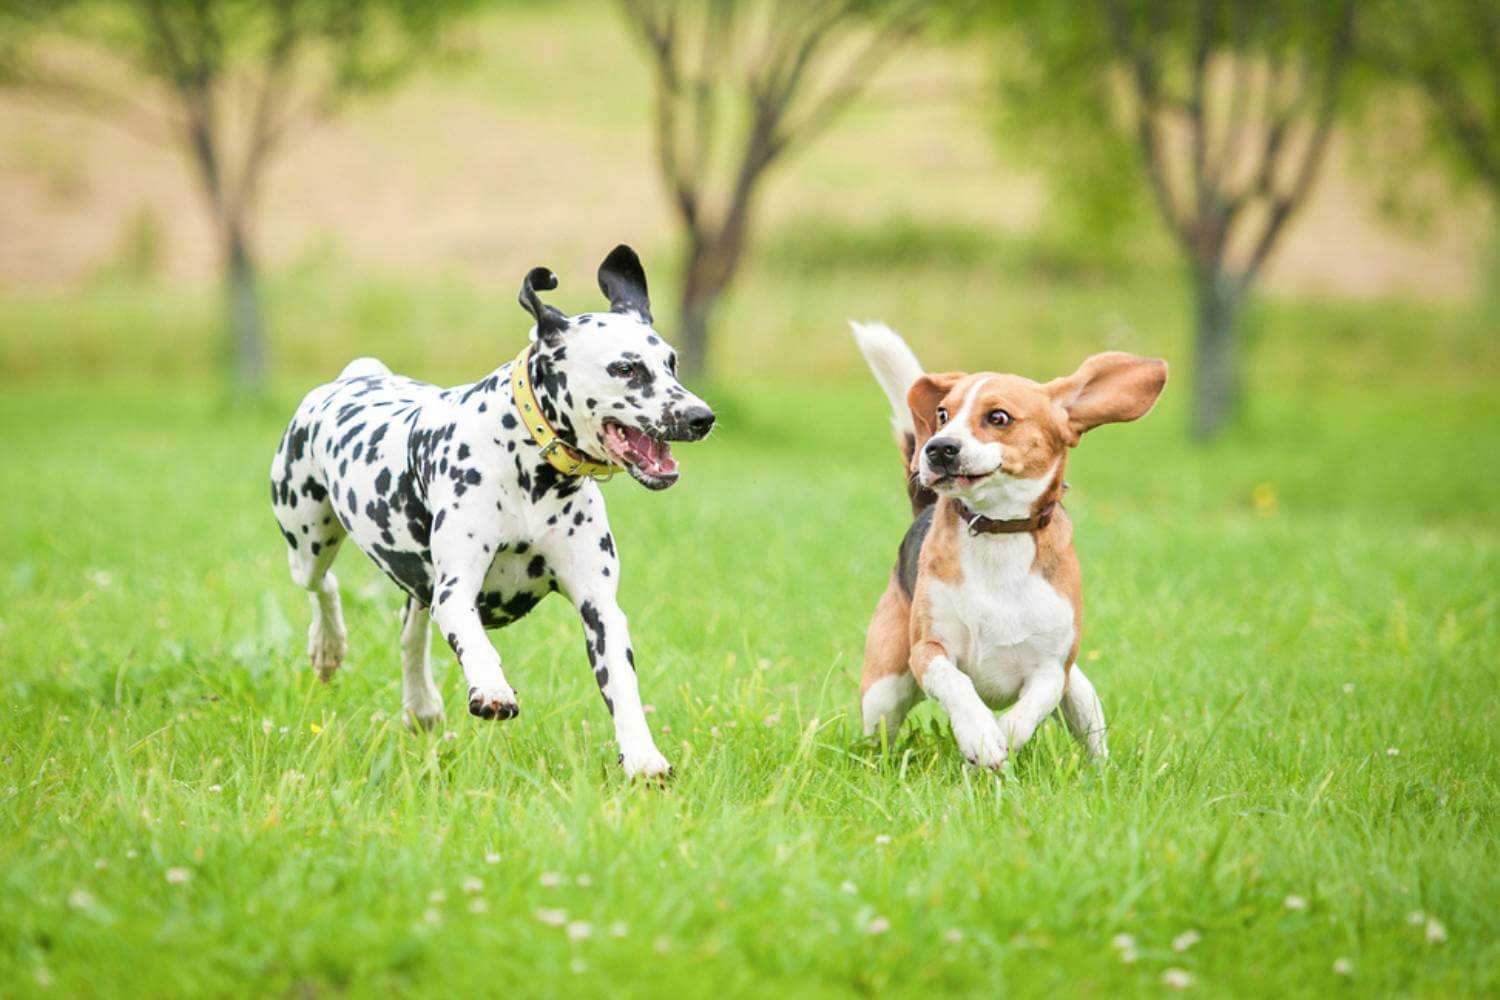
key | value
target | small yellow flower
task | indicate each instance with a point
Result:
(315, 728)
(1263, 498)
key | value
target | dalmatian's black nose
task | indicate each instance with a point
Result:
(699, 420)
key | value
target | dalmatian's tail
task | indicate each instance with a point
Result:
(895, 367)
(364, 366)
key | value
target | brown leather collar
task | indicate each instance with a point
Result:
(981, 525)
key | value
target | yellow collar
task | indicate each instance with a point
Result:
(558, 453)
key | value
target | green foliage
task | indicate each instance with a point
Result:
(357, 44)
(1447, 51)
(1057, 113)
(184, 810)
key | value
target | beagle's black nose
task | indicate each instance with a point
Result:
(942, 453)
(699, 420)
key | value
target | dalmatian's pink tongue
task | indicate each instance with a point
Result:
(647, 454)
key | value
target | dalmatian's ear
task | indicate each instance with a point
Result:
(550, 321)
(623, 282)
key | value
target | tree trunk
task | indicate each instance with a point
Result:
(247, 349)
(692, 336)
(1216, 357)
(711, 263)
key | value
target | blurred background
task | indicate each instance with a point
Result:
(207, 207)
(1285, 196)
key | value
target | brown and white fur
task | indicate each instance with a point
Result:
(978, 621)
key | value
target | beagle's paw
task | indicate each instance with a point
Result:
(981, 742)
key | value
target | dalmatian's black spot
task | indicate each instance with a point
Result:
(594, 624)
(411, 570)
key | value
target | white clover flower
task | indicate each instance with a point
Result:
(1186, 940)
(1178, 979)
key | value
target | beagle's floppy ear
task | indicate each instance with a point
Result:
(550, 321)
(923, 397)
(623, 282)
(1108, 388)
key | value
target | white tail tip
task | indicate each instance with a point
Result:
(894, 365)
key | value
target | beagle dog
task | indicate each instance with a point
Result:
(984, 606)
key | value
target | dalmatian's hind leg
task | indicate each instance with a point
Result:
(419, 695)
(313, 535)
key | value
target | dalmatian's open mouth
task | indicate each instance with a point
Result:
(648, 459)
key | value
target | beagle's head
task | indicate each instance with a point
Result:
(998, 442)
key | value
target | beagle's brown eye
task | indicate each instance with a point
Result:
(1000, 418)
(942, 415)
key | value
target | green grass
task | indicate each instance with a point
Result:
(1268, 621)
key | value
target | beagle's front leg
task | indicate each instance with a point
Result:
(1040, 694)
(979, 736)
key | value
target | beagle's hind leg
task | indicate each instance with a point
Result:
(1084, 714)
(887, 689)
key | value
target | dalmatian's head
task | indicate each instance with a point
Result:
(607, 381)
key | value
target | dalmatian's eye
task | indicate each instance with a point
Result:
(621, 369)
(942, 415)
(999, 418)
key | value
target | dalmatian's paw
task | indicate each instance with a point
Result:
(326, 649)
(647, 763)
(493, 702)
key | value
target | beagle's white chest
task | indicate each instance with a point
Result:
(1003, 621)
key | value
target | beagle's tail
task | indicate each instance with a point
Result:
(895, 367)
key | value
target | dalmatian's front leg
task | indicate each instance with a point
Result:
(461, 557)
(607, 635)
(589, 573)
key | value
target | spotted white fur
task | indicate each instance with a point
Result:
(446, 491)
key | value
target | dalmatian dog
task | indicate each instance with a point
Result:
(453, 496)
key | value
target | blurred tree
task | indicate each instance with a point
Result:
(1228, 106)
(739, 83)
(232, 78)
